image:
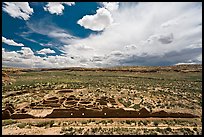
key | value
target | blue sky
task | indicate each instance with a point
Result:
(100, 34)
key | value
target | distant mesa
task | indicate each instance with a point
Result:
(184, 68)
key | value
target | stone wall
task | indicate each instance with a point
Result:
(21, 116)
(85, 109)
(113, 113)
(6, 114)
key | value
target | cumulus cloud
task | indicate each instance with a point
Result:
(166, 39)
(20, 10)
(111, 6)
(98, 21)
(11, 42)
(22, 58)
(142, 34)
(27, 59)
(146, 34)
(57, 7)
(26, 53)
(45, 51)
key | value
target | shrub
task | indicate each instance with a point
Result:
(169, 129)
(45, 123)
(21, 125)
(51, 123)
(69, 129)
(140, 123)
(186, 131)
(156, 123)
(128, 121)
(110, 121)
(195, 129)
(84, 122)
(8, 122)
(104, 122)
(144, 122)
(136, 106)
(158, 129)
(94, 130)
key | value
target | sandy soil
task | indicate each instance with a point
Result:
(31, 131)
(56, 130)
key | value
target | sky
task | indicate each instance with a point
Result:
(101, 34)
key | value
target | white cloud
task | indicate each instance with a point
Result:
(166, 38)
(97, 22)
(57, 7)
(20, 10)
(50, 30)
(145, 34)
(11, 42)
(26, 58)
(111, 6)
(45, 51)
(26, 53)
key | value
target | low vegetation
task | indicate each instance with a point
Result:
(175, 88)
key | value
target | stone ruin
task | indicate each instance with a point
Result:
(74, 107)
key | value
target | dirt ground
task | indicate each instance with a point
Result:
(31, 131)
(57, 130)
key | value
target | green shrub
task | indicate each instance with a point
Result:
(169, 129)
(128, 121)
(51, 123)
(144, 122)
(84, 122)
(195, 129)
(110, 121)
(69, 129)
(94, 130)
(158, 129)
(45, 123)
(21, 125)
(186, 131)
(156, 123)
(8, 122)
(104, 122)
(136, 106)
(140, 123)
